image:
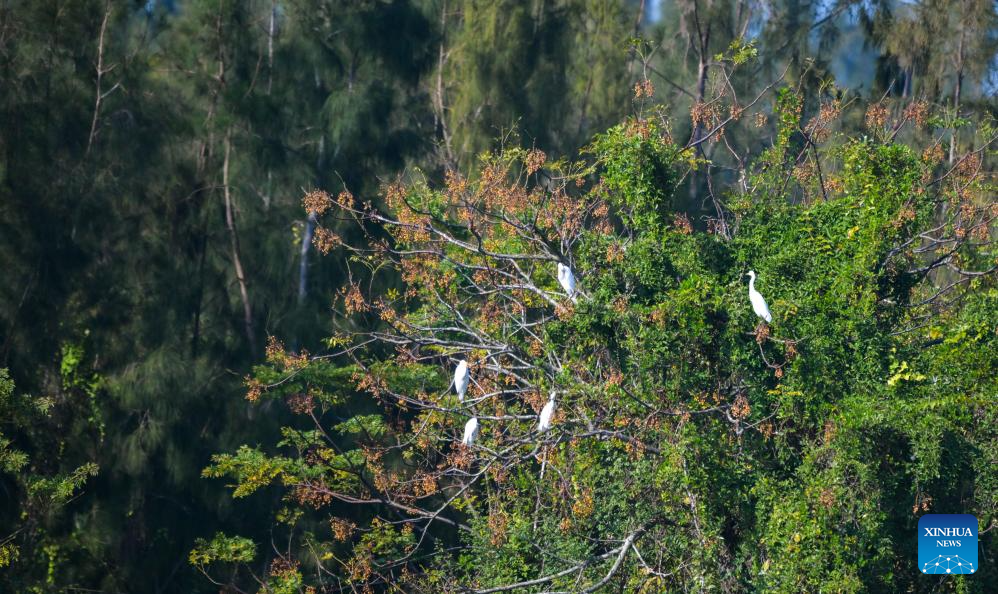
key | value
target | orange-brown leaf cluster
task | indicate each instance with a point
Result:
(584, 505)
(368, 382)
(562, 215)
(345, 200)
(325, 240)
(456, 185)
(933, 154)
(317, 201)
(918, 112)
(353, 300)
(300, 403)
(535, 160)
(761, 332)
(905, 215)
(791, 350)
(498, 523)
(254, 388)
(804, 172)
(922, 503)
(413, 227)
(705, 114)
(740, 408)
(968, 167)
(827, 497)
(342, 529)
(819, 128)
(276, 355)
(425, 485)
(644, 88)
(639, 127)
(829, 432)
(876, 116)
(313, 495)
(282, 567)
(681, 223)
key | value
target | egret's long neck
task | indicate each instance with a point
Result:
(751, 282)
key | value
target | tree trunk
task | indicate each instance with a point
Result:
(100, 76)
(439, 111)
(270, 46)
(703, 68)
(230, 222)
(306, 243)
(701, 90)
(956, 97)
(310, 223)
(199, 302)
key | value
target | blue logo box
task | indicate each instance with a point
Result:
(947, 544)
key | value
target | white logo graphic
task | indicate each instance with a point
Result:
(948, 564)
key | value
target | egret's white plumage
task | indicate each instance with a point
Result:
(758, 302)
(546, 414)
(567, 280)
(461, 379)
(470, 431)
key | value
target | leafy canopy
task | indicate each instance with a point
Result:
(694, 446)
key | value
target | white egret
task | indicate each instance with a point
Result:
(546, 413)
(461, 379)
(567, 280)
(470, 431)
(758, 302)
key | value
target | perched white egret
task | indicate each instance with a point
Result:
(546, 413)
(470, 431)
(758, 302)
(461, 379)
(567, 280)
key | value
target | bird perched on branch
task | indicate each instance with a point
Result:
(470, 431)
(567, 280)
(546, 414)
(461, 379)
(758, 302)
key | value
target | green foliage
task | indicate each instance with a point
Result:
(224, 549)
(250, 467)
(729, 453)
(37, 494)
(11, 459)
(640, 175)
(739, 52)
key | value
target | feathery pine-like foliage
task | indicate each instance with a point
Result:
(120, 224)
